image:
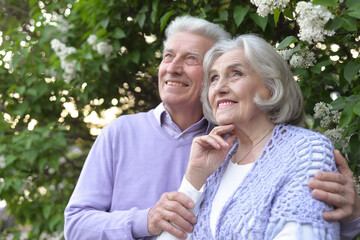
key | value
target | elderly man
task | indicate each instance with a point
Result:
(127, 188)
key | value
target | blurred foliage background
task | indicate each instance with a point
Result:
(69, 67)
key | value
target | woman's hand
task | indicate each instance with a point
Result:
(207, 153)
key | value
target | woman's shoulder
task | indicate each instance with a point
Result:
(300, 134)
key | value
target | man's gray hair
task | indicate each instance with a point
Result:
(286, 102)
(196, 26)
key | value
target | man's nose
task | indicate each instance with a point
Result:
(176, 66)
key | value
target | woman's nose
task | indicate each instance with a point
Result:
(222, 86)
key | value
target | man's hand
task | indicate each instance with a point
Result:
(172, 207)
(337, 189)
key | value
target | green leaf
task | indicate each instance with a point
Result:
(260, 21)
(339, 103)
(224, 15)
(240, 13)
(349, 23)
(46, 211)
(334, 24)
(354, 145)
(276, 15)
(164, 19)
(346, 116)
(33, 2)
(326, 3)
(119, 33)
(357, 109)
(140, 18)
(135, 57)
(286, 42)
(288, 13)
(10, 159)
(354, 14)
(154, 11)
(351, 69)
(105, 22)
(105, 67)
(352, 4)
(54, 221)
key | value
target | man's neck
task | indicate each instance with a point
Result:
(183, 116)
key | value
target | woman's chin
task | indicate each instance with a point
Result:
(224, 122)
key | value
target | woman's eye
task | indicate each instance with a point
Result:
(214, 78)
(238, 74)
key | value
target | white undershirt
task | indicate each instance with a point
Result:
(233, 176)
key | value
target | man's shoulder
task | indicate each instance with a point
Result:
(130, 120)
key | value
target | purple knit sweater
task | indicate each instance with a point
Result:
(275, 190)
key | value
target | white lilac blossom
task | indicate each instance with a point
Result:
(61, 24)
(329, 120)
(286, 54)
(312, 19)
(302, 59)
(264, 7)
(322, 110)
(67, 65)
(334, 134)
(92, 41)
(104, 48)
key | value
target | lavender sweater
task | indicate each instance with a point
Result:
(275, 190)
(133, 161)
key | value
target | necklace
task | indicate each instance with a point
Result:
(237, 162)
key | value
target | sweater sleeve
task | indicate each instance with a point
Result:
(87, 214)
(294, 201)
(350, 229)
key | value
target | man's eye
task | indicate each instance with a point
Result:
(167, 57)
(192, 60)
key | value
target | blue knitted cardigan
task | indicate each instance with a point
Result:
(274, 191)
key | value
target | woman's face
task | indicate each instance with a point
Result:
(233, 85)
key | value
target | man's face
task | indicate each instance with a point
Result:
(181, 70)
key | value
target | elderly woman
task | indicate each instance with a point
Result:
(256, 186)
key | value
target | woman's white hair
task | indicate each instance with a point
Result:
(197, 26)
(286, 102)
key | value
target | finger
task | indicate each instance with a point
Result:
(335, 215)
(342, 164)
(332, 177)
(330, 198)
(222, 130)
(179, 221)
(213, 141)
(331, 187)
(173, 230)
(181, 198)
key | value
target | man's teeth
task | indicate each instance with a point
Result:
(224, 103)
(175, 84)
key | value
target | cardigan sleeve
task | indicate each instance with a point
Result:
(294, 202)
